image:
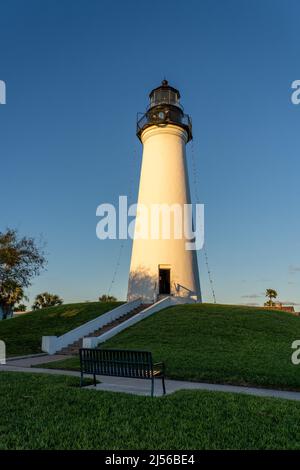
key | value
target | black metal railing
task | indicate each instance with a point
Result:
(159, 118)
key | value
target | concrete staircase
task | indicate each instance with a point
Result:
(73, 349)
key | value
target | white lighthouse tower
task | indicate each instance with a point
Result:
(162, 266)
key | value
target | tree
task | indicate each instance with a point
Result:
(46, 300)
(20, 260)
(20, 308)
(107, 298)
(11, 293)
(270, 294)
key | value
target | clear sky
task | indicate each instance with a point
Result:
(77, 72)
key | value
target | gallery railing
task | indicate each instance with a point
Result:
(161, 118)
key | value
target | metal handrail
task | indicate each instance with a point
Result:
(146, 119)
(180, 286)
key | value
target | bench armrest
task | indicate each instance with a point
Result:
(161, 365)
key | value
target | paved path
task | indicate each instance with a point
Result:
(142, 387)
(36, 370)
(35, 360)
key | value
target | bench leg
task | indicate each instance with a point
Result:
(152, 387)
(95, 380)
(164, 385)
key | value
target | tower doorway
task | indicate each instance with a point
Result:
(164, 281)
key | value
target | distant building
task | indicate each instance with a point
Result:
(280, 306)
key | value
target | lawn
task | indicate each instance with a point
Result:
(50, 412)
(23, 335)
(217, 343)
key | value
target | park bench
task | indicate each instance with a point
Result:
(121, 363)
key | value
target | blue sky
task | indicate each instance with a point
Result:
(77, 72)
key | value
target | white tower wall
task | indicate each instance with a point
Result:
(164, 180)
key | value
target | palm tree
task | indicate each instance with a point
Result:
(11, 293)
(270, 294)
(46, 300)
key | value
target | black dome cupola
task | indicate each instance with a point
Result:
(164, 109)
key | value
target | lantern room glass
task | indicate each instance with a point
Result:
(162, 96)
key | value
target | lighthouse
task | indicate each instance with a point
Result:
(162, 265)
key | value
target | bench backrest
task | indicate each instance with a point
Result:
(116, 362)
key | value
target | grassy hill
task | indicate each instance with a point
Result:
(217, 343)
(23, 335)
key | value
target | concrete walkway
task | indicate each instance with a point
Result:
(36, 370)
(34, 360)
(142, 387)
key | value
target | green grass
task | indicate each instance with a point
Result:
(65, 364)
(50, 412)
(217, 343)
(23, 335)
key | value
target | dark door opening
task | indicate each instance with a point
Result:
(164, 281)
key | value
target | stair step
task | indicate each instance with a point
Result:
(73, 349)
